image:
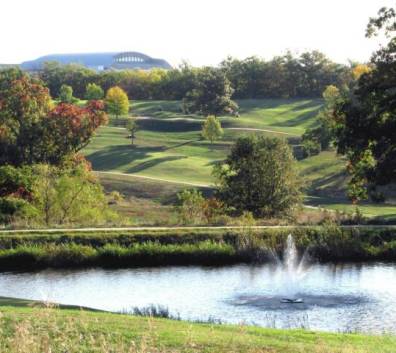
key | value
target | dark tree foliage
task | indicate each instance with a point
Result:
(212, 94)
(259, 176)
(365, 120)
(55, 75)
(284, 76)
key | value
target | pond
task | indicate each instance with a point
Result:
(340, 298)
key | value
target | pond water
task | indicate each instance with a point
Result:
(341, 298)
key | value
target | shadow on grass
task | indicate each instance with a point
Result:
(248, 105)
(152, 163)
(314, 103)
(332, 184)
(299, 120)
(117, 156)
(179, 125)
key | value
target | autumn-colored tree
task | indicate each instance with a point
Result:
(69, 128)
(211, 129)
(117, 102)
(31, 131)
(359, 70)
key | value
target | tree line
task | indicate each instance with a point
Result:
(287, 76)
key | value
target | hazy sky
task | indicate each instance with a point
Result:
(199, 31)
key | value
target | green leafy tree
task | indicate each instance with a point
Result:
(66, 94)
(132, 127)
(94, 92)
(77, 76)
(24, 102)
(68, 196)
(364, 119)
(321, 137)
(259, 176)
(211, 129)
(117, 102)
(212, 93)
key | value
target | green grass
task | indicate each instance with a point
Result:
(283, 115)
(28, 327)
(169, 148)
(173, 149)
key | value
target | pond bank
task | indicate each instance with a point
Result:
(32, 329)
(149, 247)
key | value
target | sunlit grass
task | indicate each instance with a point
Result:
(49, 329)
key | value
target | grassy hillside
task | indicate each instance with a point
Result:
(26, 328)
(169, 148)
(169, 145)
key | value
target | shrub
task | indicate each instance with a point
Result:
(66, 94)
(191, 206)
(259, 176)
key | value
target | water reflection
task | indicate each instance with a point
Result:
(342, 297)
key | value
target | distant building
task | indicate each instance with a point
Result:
(101, 61)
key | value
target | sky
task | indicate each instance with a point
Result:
(201, 32)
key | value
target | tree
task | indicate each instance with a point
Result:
(212, 93)
(32, 131)
(259, 176)
(211, 129)
(55, 75)
(321, 137)
(117, 102)
(132, 127)
(16, 190)
(66, 94)
(23, 104)
(68, 196)
(94, 92)
(67, 129)
(364, 119)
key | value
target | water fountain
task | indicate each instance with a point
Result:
(291, 271)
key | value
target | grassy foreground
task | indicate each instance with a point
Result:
(190, 246)
(37, 329)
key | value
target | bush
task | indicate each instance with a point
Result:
(310, 148)
(191, 206)
(259, 176)
(94, 92)
(66, 94)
